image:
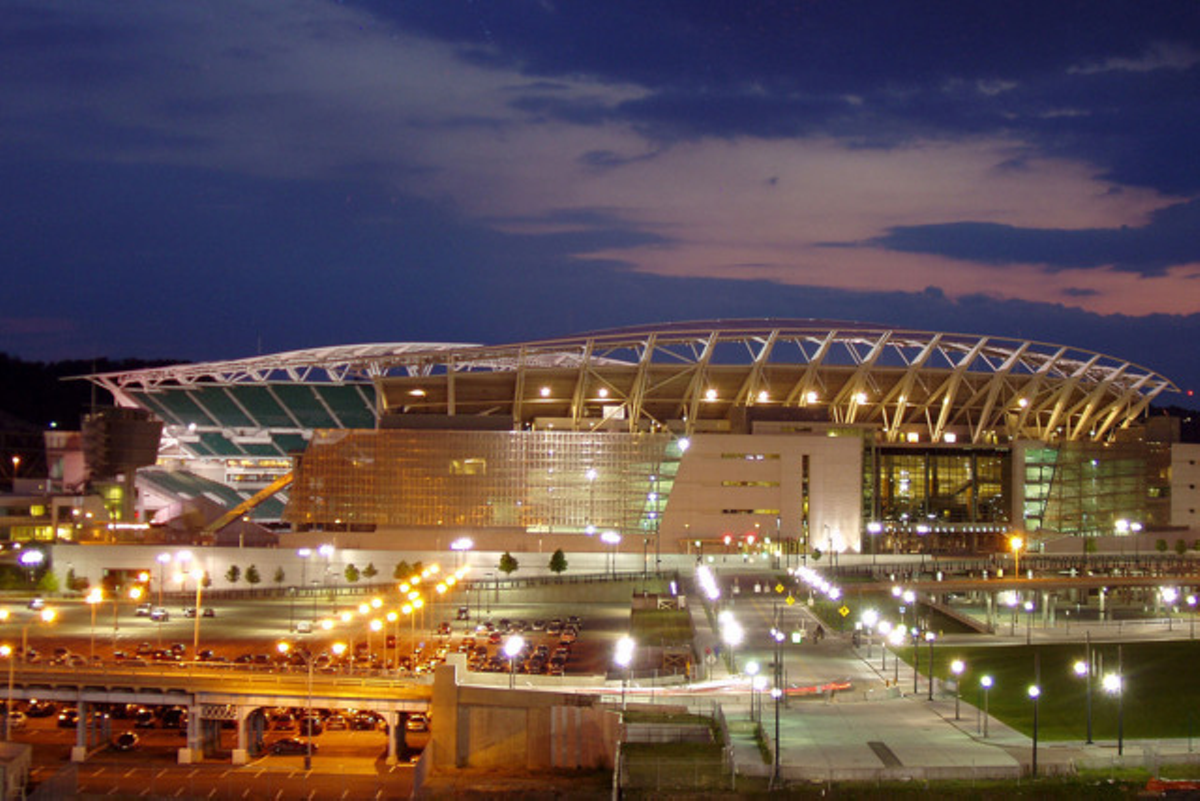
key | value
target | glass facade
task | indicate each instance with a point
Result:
(1084, 489)
(540, 481)
(942, 487)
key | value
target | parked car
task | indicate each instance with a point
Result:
(416, 722)
(291, 746)
(126, 741)
(41, 709)
(68, 718)
(18, 720)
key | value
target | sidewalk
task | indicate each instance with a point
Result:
(881, 731)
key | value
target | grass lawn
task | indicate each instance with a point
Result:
(668, 627)
(1162, 696)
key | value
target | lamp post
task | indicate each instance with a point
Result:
(1016, 543)
(1083, 669)
(1035, 692)
(1191, 602)
(957, 667)
(624, 658)
(307, 728)
(1114, 685)
(1169, 596)
(1028, 622)
(613, 539)
(870, 618)
(885, 628)
(326, 551)
(985, 682)
(93, 599)
(512, 649)
(916, 646)
(929, 638)
(198, 575)
(897, 639)
(752, 672)
(6, 651)
(732, 635)
(163, 559)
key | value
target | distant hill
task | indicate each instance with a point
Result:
(33, 395)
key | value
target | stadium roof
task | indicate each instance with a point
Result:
(673, 375)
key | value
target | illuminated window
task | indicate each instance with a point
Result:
(468, 467)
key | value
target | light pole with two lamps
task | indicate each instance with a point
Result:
(285, 648)
(512, 649)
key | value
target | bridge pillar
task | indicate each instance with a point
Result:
(241, 754)
(394, 731)
(79, 750)
(192, 752)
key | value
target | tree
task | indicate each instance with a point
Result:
(403, 570)
(1180, 547)
(1160, 545)
(233, 574)
(252, 575)
(369, 572)
(418, 567)
(508, 563)
(279, 575)
(1089, 545)
(558, 562)
(48, 582)
(352, 573)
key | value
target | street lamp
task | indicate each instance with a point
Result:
(6, 651)
(614, 539)
(929, 638)
(897, 639)
(985, 682)
(512, 649)
(93, 599)
(752, 672)
(1016, 543)
(162, 559)
(198, 576)
(1113, 684)
(1035, 692)
(885, 628)
(869, 620)
(957, 667)
(624, 658)
(1083, 670)
(732, 635)
(284, 648)
(1028, 622)
(1169, 595)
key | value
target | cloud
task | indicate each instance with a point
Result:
(1168, 239)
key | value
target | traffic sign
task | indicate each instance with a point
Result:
(779, 588)
(789, 600)
(844, 610)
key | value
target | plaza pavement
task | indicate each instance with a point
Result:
(881, 731)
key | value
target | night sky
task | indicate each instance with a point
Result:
(210, 180)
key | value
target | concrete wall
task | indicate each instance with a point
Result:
(517, 730)
(1185, 485)
(720, 474)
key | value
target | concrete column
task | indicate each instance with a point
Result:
(79, 750)
(394, 730)
(192, 752)
(241, 754)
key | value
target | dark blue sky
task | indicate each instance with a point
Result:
(210, 180)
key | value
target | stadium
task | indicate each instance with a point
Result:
(791, 436)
